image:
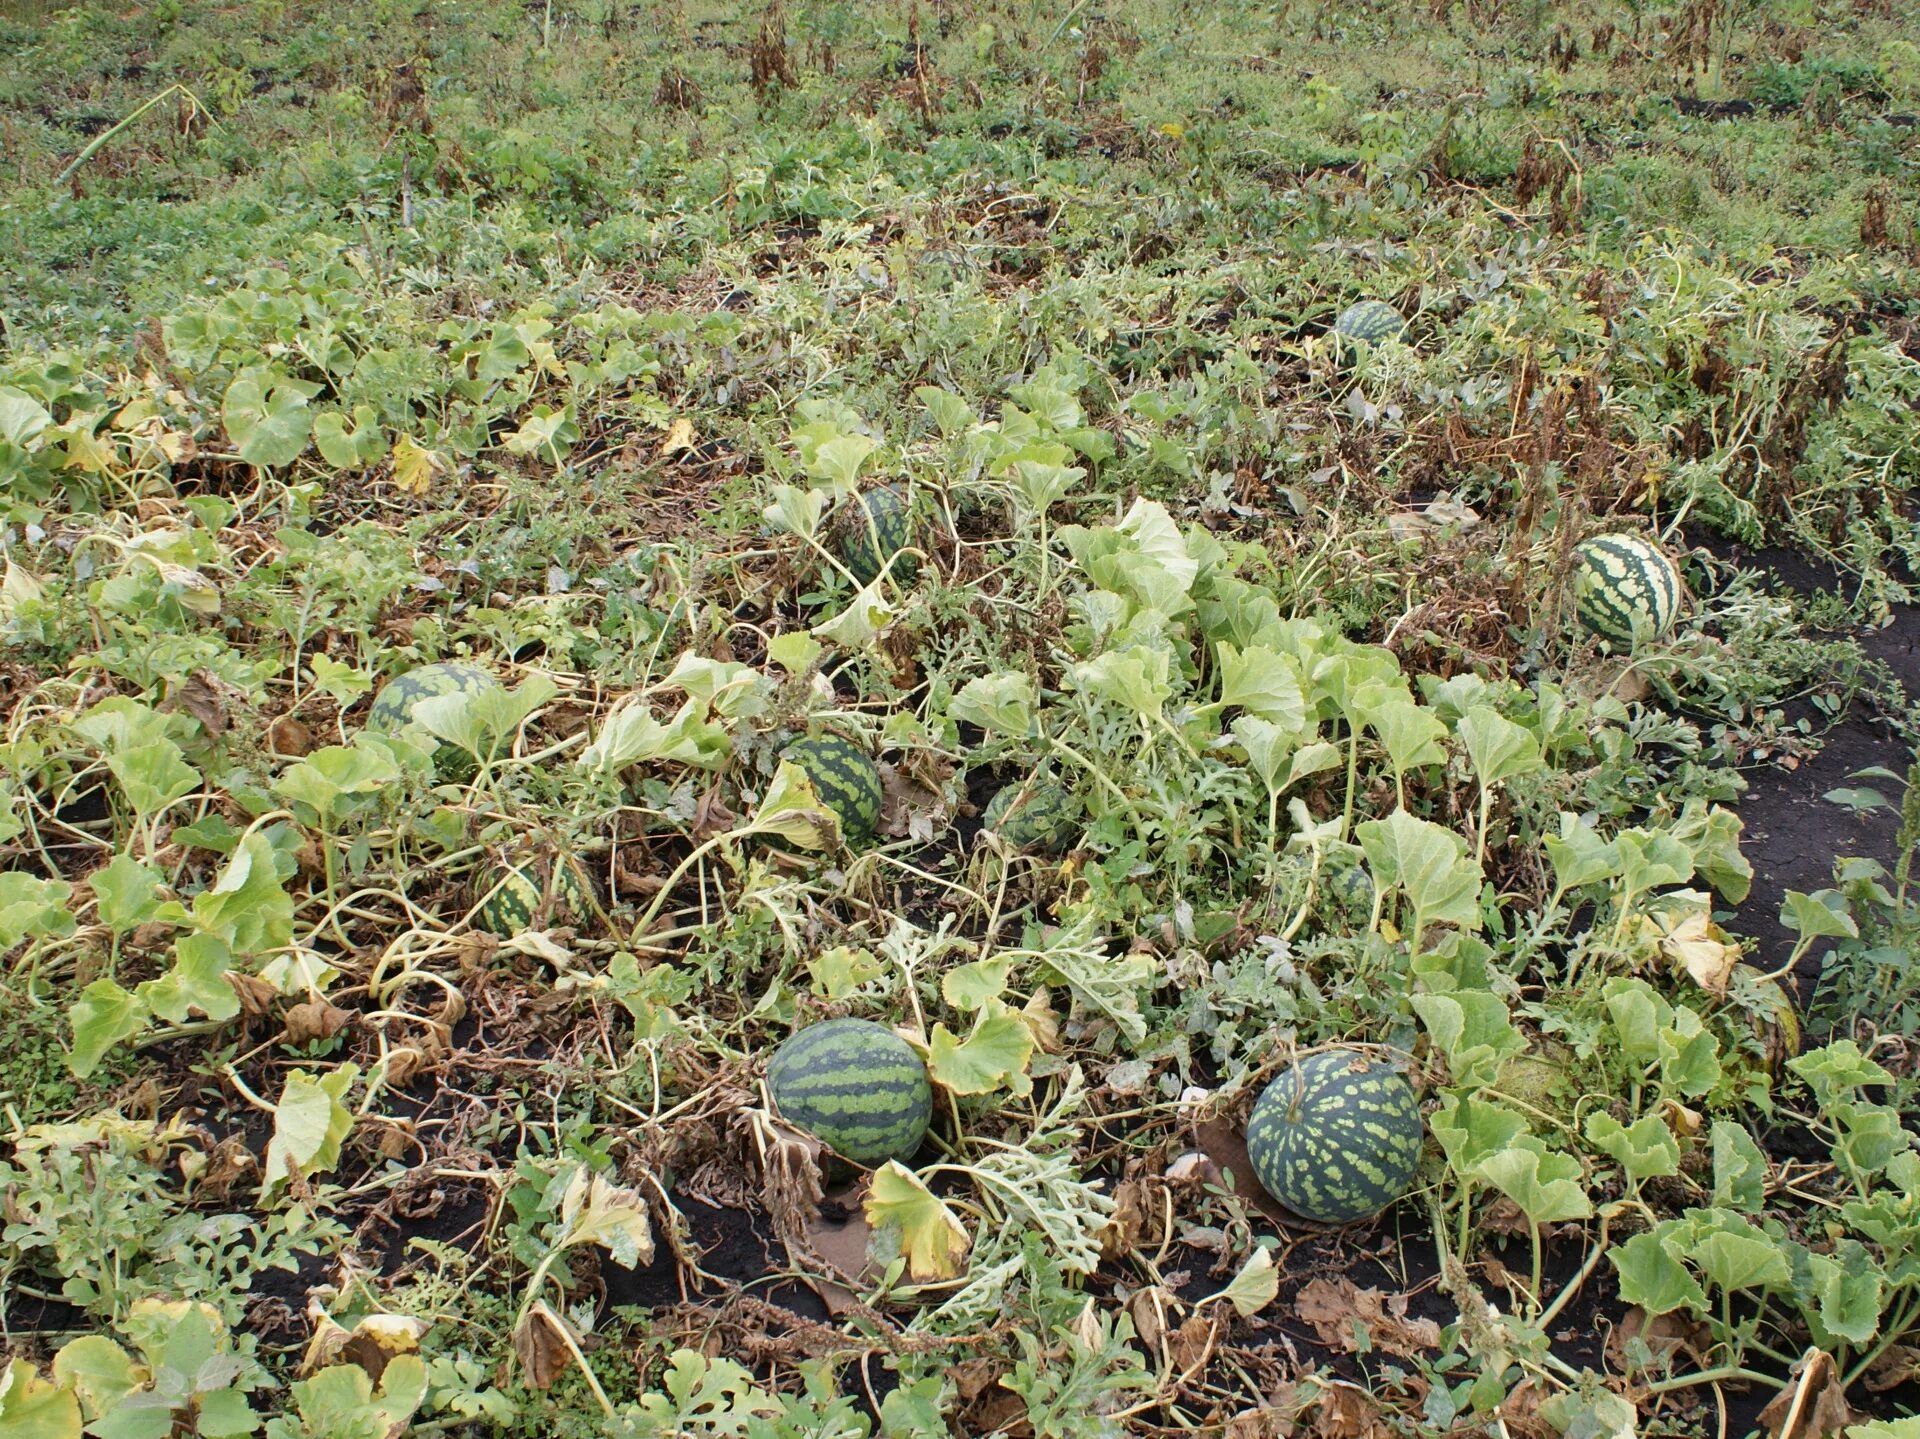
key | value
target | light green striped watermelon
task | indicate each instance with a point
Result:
(1625, 589)
(534, 892)
(1034, 814)
(846, 779)
(392, 708)
(1336, 1137)
(1368, 322)
(871, 529)
(855, 1086)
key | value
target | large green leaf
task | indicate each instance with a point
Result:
(1429, 863)
(1499, 749)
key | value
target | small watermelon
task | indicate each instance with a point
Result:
(1336, 1137)
(1625, 589)
(1033, 814)
(855, 1086)
(845, 778)
(1368, 323)
(392, 708)
(871, 529)
(516, 894)
(1351, 887)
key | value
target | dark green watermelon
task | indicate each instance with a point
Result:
(1336, 1137)
(871, 529)
(1035, 814)
(392, 708)
(846, 779)
(856, 1087)
(1351, 887)
(1368, 323)
(518, 896)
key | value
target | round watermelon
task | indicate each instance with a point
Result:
(1336, 1137)
(1034, 814)
(871, 529)
(1351, 887)
(1368, 323)
(1625, 589)
(517, 896)
(392, 708)
(855, 1086)
(846, 779)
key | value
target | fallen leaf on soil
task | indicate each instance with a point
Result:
(844, 1245)
(1331, 1307)
(1623, 682)
(1192, 1344)
(1815, 1407)
(679, 437)
(1665, 1334)
(1227, 1148)
(1149, 1309)
(316, 1019)
(540, 1343)
(909, 809)
(1897, 1366)
(1344, 1413)
(1520, 1413)
(287, 736)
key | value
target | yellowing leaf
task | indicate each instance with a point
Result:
(679, 437)
(414, 467)
(31, 1408)
(994, 1056)
(1701, 948)
(931, 1236)
(1255, 1286)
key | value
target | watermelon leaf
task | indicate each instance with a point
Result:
(993, 1057)
(931, 1236)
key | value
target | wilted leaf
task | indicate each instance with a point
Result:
(932, 1237)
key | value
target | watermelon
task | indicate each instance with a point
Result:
(519, 896)
(392, 708)
(871, 529)
(1368, 322)
(855, 1086)
(1625, 589)
(1336, 1137)
(845, 778)
(1036, 814)
(1351, 887)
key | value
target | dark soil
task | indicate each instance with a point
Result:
(1793, 833)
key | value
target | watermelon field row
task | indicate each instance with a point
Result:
(966, 718)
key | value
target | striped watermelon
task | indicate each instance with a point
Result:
(1336, 1137)
(392, 708)
(1368, 322)
(1351, 887)
(531, 893)
(1036, 814)
(871, 529)
(856, 1087)
(1625, 589)
(845, 778)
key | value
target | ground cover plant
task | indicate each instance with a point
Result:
(968, 718)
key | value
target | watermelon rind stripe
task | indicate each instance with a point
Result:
(1625, 588)
(855, 1086)
(847, 781)
(1337, 1137)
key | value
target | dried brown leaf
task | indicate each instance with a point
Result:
(1814, 1407)
(540, 1343)
(315, 1019)
(1334, 1306)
